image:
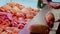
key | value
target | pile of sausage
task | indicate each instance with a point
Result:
(14, 16)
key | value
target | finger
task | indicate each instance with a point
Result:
(45, 1)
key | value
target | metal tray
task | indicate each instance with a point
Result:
(40, 19)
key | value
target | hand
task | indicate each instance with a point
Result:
(54, 5)
(51, 4)
(45, 1)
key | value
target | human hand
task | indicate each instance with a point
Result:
(54, 5)
(45, 1)
(51, 4)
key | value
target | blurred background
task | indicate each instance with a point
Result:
(31, 3)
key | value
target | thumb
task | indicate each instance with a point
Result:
(45, 1)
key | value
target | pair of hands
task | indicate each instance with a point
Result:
(51, 4)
